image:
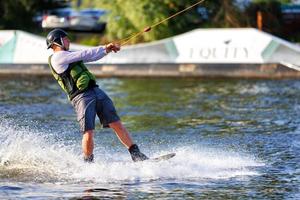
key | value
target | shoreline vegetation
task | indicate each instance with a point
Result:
(125, 18)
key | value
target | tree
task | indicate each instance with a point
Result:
(131, 16)
(18, 14)
(271, 15)
(226, 13)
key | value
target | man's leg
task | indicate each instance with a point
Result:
(124, 137)
(88, 145)
(122, 133)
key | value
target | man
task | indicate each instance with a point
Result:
(86, 97)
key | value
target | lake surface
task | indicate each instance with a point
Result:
(234, 139)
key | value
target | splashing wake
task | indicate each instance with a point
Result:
(29, 155)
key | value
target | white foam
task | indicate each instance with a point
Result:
(255, 89)
(50, 161)
(189, 163)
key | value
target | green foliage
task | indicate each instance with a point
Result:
(226, 13)
(18, 14)
(271, 13)
(89, 40)
(129, 17)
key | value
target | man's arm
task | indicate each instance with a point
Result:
(91, 54)
(61, 60)
(87, 55)
(101, 52)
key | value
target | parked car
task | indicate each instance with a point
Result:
(85, 20)
(58, 18)
(88, 20)
(95, 13)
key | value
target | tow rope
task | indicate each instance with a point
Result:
(149, 28)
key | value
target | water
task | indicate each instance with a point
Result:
(234, 139)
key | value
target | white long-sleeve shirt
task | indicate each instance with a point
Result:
(61, 59)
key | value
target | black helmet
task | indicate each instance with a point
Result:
(55, 37)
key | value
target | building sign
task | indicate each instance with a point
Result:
(221, 46)
(208, 53)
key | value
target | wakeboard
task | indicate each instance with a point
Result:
(163, 157)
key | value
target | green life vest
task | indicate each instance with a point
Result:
(75, 80)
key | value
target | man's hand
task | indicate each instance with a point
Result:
(112, 47)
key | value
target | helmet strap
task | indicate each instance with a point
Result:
(62, 43)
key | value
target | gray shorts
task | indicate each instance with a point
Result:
(92, 102)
